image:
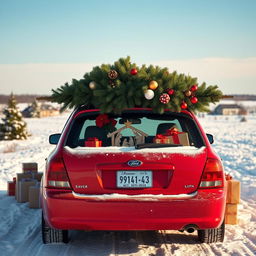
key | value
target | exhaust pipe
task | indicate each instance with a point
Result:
(190, 228)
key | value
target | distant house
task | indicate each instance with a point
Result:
(229, 109)
(48, 110)
(44, 111)
(27, 112)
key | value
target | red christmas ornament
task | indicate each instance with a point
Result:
(133, 71)
(164, 98)
(183, 105)
(170, 91)
(194, 100)
(194, 88)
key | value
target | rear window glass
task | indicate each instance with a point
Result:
(132, 128)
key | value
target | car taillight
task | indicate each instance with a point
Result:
(56, 174)
(212, 175)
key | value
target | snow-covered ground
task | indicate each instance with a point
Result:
(235, 142)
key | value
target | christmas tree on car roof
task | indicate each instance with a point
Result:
(115, 87)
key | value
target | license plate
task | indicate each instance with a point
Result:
(134, 179)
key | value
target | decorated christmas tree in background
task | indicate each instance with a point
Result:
(122, 85)
(13, 127)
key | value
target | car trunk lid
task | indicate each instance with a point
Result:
(168, 171)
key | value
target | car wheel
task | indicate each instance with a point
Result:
(51, 235)
(212, 235)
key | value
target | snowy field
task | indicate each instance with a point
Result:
(235, 142)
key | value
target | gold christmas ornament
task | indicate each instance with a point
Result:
(188, 93)
(92, 85)
(153, 85)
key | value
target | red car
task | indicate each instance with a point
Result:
(134, 171)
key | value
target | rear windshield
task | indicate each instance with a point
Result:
(132, 128)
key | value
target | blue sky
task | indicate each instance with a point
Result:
(92, 32)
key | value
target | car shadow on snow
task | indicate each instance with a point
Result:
(103, 243)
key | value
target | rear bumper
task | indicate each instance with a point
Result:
(67, 210)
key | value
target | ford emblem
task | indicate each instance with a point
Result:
(134, 163)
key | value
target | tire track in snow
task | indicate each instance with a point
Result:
(24, 224)
(217, 249)
(31, 246)
(239, 243)
(20, 221)
(89, 243)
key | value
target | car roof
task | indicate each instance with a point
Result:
(86, 109)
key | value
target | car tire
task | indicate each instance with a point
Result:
(212, 235)
(51, 235)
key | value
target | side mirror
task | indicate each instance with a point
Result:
(54, 138)
(210, 138)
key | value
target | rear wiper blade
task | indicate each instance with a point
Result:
(156, 145)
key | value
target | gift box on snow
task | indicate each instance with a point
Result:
(233, 192)
(232, 200)
(33, 196)
(93, 142)
(173, 136)
(231, 213)
(23, 189)
(28, 176)
(37, 176)
(29, 167)
(11, 185)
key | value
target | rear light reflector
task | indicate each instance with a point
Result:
(56, 174)
(61, 184)
(215, 183)
(212, 175)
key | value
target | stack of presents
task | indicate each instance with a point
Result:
(232, 201)
(26, 185)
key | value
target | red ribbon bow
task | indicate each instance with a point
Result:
(172, 131)
(160, 136)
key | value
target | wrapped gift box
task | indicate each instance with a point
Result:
(161, 139)
(173, 136)
(34, 192)
(231, 214)
(29, 167)
(233, 192)
(177, 137)
(21, 176)
(23, 189)
(93, 142)
(181, 138)
(11, 185)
